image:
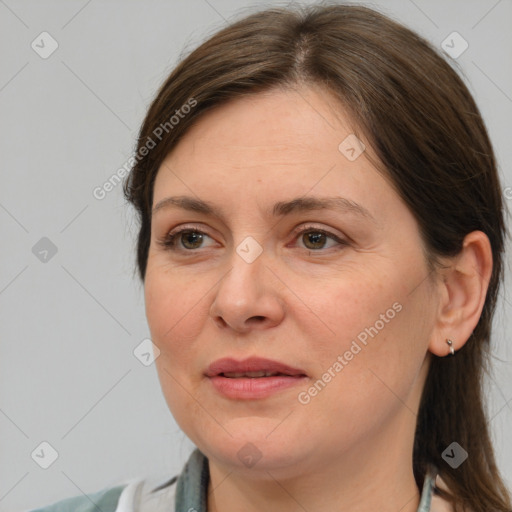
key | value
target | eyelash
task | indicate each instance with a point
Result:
(168, 242)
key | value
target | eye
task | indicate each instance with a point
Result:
(315, 238)
(188, 239)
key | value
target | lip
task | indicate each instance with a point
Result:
(248, 388)
(251, 364)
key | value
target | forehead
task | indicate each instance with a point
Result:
(269, 122)
(272, 125)
(278, 144)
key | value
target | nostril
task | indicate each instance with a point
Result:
(219, 321)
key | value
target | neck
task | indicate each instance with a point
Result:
(376, 474)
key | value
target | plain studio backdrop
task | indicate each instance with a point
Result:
(75, 82)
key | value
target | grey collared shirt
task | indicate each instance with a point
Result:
(188, 491)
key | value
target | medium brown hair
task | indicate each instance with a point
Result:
(432, 145)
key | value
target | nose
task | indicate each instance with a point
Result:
(249, 296)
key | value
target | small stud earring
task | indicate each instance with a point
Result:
(450, 344)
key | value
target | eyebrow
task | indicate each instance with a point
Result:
(280, 209)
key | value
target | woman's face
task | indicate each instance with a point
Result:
(341, 294)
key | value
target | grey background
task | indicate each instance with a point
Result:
(69, 326)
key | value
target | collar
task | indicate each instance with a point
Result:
(192, 485)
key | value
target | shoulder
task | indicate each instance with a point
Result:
(105, 499)
(140, 495)
(145, 496)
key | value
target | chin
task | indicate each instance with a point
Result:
(253, 450)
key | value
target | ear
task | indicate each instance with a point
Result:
(463, 288)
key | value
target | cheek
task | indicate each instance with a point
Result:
(175, 308)
(376, 328)
(176, 311)
(174, 319)
(179, 394)
(354, 303)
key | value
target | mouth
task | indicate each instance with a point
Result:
(253, 367)
(253, 375)
(253, 378)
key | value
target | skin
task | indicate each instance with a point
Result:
(350, 447)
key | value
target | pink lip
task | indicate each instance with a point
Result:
(252, 364)
(252, 388)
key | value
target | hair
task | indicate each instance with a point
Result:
(431, 144)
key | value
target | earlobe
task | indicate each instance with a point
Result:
(464, 289)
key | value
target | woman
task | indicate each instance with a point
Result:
(321, 239)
